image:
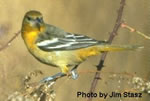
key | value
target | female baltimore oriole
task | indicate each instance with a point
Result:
(53, 46)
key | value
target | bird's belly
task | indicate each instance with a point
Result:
(64, 58)
(56, 58)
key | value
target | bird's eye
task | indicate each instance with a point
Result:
(28, 18)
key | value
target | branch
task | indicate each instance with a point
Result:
(111, 37)
(9, 42)
(124, 25)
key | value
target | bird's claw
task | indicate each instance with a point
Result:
(74, 74)
(52, 78)
(47, 79)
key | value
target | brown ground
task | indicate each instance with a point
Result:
(94, 18)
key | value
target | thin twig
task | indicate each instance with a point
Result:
(124, 25)
(85, 72)
(111, 37)
(9, 42)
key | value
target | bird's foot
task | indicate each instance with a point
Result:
(47, 79)
(74, 74)
(52, 78)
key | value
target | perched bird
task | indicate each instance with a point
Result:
(53, 46)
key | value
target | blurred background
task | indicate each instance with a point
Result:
(94, 18)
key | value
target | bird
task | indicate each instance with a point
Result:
(53, 46)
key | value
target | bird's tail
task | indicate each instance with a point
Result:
(108, 47)
(95, 50)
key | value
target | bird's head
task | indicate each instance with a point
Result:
(33, 19)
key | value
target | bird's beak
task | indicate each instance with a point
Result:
(39, 24)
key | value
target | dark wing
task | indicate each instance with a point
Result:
(68, 41)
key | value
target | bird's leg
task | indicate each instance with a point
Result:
(74, 72)
(61, 74)
(53, 78)
(64, 72)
